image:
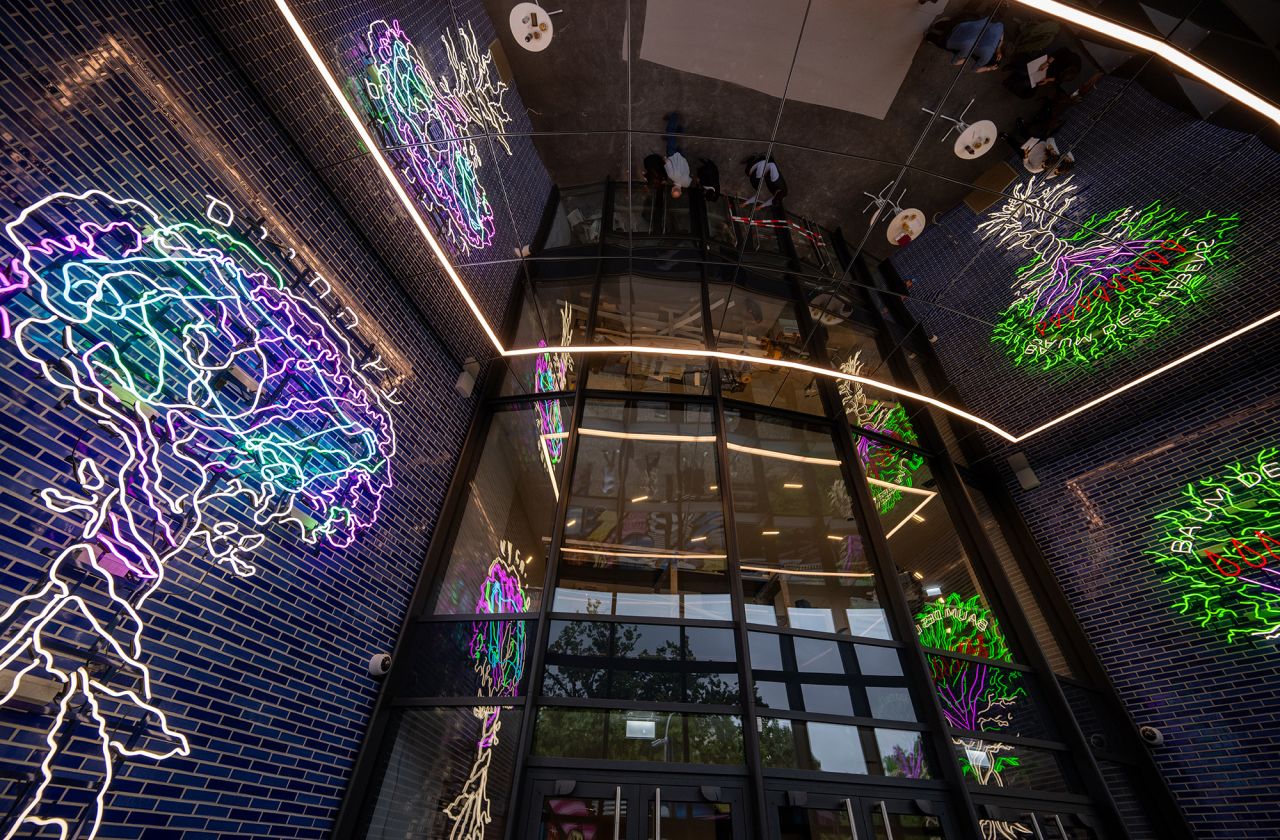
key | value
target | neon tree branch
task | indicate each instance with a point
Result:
(1220, 550)
(234, 406)
(1113, 282)
(429, 126)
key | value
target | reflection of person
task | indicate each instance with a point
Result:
(981, 39)
(1052, 70)
(709, 180)
(674, 162)
(763, 170)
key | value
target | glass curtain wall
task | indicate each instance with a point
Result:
(690, 597)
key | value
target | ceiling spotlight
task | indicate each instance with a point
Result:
(714, 487)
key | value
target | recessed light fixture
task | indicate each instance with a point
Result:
(793, 485)
(639, 499)
(714, 487)
(917, 576)
(571, 523)
(915, 517)
(697, 539)
(834, 537)
(770, 533)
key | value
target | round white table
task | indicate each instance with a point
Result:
(976, 140)
(909, 222)
(531, 26)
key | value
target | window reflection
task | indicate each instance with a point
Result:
(645, 532)
(555, 317)
(618, 735)
(647, 662)
(577, 219)
(842, 748)
(803, 561)
(510, 507)
(646, 312)
(763, 326)
(823, 676)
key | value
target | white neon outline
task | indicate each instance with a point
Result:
(1050, 7)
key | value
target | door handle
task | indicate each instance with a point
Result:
(884, 815)
(657, 813)
(617, 813)
(853, 825)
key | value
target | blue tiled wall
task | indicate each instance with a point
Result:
(1105, 475)
(265, 675)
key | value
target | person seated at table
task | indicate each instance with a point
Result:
(1063, 166)
(1059, 67)
(763, 170)
(981, 39)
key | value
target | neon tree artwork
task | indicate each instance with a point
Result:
(229, 406)
(498, 655)
(1115, 280)
(551, 374)
(889, 464)
(429, 126)
(975, 697)
(1220, 550)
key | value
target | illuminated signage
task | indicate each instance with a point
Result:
(229, 404)
(892, 467)
(429, 126)
(1113, 281)
(1221, 549)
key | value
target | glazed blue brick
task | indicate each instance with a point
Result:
(266, 677)
(1105, 475)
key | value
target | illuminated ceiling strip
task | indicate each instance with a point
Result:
(671, 555)
(372, 145)
(1165, 50)
(782, 456)
(902, 487)
(773, 571)
(1051, 7)
(907, 518)
(1146, 376)
(657, 437)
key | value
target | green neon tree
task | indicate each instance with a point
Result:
(1220, 551)
(1117, 279)
(884, 463)
(975, 696)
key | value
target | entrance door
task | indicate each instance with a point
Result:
(568, 809)
(806, 815)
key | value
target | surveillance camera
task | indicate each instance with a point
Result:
(379, 664)
(1099, 742)
(1151, 736)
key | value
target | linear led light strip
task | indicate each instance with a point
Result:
(1082, 19)
(670, 555)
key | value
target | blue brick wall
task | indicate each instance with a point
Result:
(1105, 475)
(265, 675)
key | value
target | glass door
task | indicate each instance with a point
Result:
(568, 809)
(805, 815)
(693, 812)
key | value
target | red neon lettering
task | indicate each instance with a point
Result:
(1216, 559)
(1241, 548)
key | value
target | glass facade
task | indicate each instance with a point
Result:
(687, 597)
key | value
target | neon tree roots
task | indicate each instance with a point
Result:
(1114, 281)
(1220, 551)
(429, 126)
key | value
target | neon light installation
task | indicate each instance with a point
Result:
(552, 375)
(229, 405)
(1221, 549)
(975, 697)
(890, 465)
(1112, 282)
(429, 126)
(498, 653)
